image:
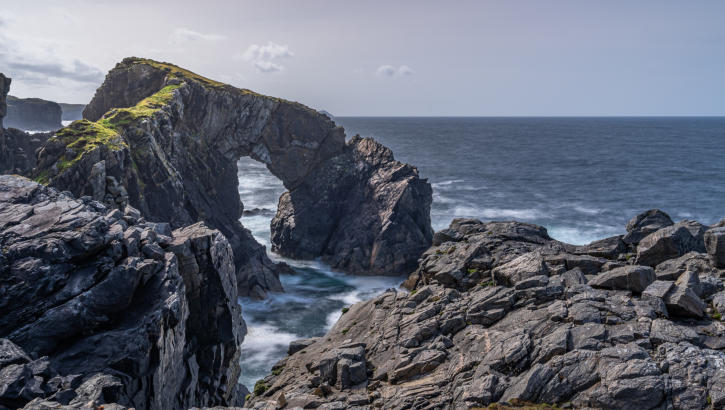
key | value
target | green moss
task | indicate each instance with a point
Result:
(120, 118)
(716, 315)
(247, 397)
(260, 387)
(413, 292)
(471, 271)
(345, 310)
(81, 137)
(277, 371)
(344, 331)
(487, 283)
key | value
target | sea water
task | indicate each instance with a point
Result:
(581, 178)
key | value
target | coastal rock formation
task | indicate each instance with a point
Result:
(99, 306)
(500, 312)
(33, 114)
(17, 148)
(166, 141)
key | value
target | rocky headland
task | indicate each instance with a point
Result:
(165, 141)
(499, 312)
(71, 112)
(100, 306)
(33, 114)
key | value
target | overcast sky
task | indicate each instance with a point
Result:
(390, 57)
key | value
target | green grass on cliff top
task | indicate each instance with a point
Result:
(119, 118)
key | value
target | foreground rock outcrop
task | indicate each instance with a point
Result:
(99, 306)
(166, 141)
(33, 114)
(500, 312)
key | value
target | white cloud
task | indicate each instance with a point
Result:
(40, 62)
(185, 35)
(270, 51)
(261, 56)
(387, 70)
(267, 67)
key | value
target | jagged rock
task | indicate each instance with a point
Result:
(151, 333)
(634, 278)
(33, 114)
(4, 88)
(667, 243)
(715, 244)
(604, 248)
(71, 112)
(672, 269)
(172, 139)
(451, 343)
(644, 224)
(297, 345)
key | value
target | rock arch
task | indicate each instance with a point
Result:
(165, 141)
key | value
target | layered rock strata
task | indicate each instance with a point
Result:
(166, 141)
(99, 306)
(501, 313)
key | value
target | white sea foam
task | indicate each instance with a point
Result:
(262, 342)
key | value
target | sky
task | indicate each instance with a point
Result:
(390, 58)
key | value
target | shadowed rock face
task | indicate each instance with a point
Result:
(4, 88)
(166, 141)
(99, 306)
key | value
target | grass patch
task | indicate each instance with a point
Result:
(81, 137)
(344, 331)
(260, 387)
(471, 271)
(345, 310)
(277, 371)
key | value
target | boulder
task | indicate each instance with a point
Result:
(715, 244)
(667, 243)
(644, 224)
(635, 278)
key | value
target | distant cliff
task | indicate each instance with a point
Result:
(71, 112)
(33, 114)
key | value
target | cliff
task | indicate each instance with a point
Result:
(17, 148)
(501, 313)
(166, 141)
(100, 306)
(33, 114)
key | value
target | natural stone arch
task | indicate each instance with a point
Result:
(166, 141)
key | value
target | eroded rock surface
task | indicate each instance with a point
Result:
(99, 306)
(500, 312)
(166, 141)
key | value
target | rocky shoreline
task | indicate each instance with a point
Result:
(499, 312)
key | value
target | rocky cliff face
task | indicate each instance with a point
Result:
(166, 141)
(100, 306)
(500, 312)
(33, 114)
(4, 89)
(17, 148)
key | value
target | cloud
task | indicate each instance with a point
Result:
(261, 56)
(387, 70)
(267, 67)
(39, 62)
(270, 51)
(185, 35)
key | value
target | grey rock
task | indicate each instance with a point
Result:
(715, 244)
(634, 278)
(683, 301)
(297, 345)
(667, 243)
(644, 224)
(155, 333)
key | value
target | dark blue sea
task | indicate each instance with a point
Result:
(581, 178)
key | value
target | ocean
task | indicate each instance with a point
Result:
(581, 178)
